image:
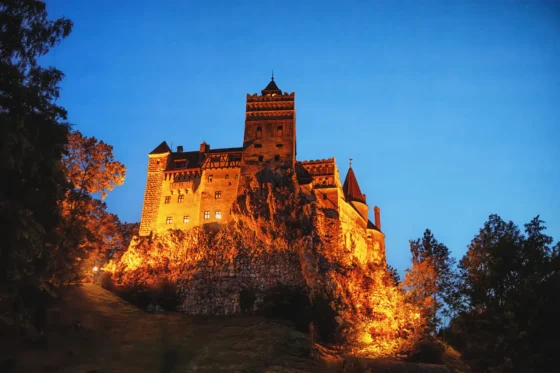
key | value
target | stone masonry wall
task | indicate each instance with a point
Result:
(152, 196)
(215, 290)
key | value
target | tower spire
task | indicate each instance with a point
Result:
(272, 75)
(350, 162)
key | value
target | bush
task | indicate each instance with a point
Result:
(106, 281)
(324, 318)
(429, 351)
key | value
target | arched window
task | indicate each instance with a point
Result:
(259, 132)
(279, 132)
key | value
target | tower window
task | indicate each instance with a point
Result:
(258, 146)
(167, 199)
(276, 158)
(186, 219)
(279, 145)
(236, 177)
(218, 195)
(261, 158)
(218, 214)
(180, 198)
(227, 176)
(259, 132)
(210, 178)
(279, 131)
(206, 214)
(169, 220)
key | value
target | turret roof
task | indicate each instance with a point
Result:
(271, 88)
(351, 188)
(161, 149)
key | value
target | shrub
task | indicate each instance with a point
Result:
(106, 281)
(288, 303)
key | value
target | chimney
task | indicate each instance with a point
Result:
(377, 214)
(179, 148)
(204, 147)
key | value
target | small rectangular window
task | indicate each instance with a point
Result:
(169, 220)
(227, 176)
(261, 158)
(167, 199)
(279, 132)
(180, 198)
(206, 214)
(218, 195)
(276, 158)
(218, 214)
(258, 146)
(259, 132)
(186, 219)
(236, 177)
(210, 178)
(279, 145)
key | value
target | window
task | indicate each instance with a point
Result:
(167, 199)
(218, 214)
(227, 176)
(258, 146)
(259, 132)
(236, 177)
(206, 214)
(180, 198)
(279, 132)
(261, 158)
(218, 195)
(180, 163)
(279, 145)
(210, 178)
(169, 220)
(186, 219)
(276, 158)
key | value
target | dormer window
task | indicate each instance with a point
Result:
(180, 163)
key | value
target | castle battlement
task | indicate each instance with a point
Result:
(185, 189)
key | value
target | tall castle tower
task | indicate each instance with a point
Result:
(270, 130)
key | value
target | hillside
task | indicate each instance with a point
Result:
(114, 336)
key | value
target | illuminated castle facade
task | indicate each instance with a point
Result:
(192, 188)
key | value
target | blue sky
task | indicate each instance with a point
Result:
(450, 109)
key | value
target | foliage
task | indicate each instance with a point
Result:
(509, 280)
(33, 132)
(438, 280)
(90, 234)
(90, 165)
(394, 274)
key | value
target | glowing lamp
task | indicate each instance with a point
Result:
(95, 269)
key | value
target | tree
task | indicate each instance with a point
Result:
(90, 233)
(510, 280)
(435, 258)
(420, 285)
(394, 275)
(33, 132)
(90, 165)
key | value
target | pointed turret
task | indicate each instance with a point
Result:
(271, 89)
(161, 149)
(351, 188)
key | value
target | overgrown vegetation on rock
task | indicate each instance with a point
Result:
(282, 255)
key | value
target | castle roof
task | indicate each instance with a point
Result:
(272, 88)
(161, 149)
(370, 225)
(351, 188)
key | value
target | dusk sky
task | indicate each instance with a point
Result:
(450, 109)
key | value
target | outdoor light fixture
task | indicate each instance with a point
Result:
(95, 269)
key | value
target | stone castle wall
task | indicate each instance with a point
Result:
(216, 290)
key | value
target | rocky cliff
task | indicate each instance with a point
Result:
(280, 236)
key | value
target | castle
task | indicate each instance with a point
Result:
(193, 188)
